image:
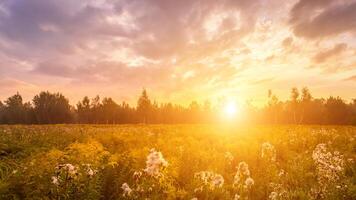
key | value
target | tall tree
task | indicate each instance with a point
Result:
(306, 103)
(143, 107)
(294, 103)
(2, 112)
(110, 110)
(83, 110)
(95, 107)
(337, 111)
(52, 108)
(15, 112)
(274, 108)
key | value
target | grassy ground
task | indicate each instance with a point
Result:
(177, 162)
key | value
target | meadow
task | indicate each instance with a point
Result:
(177, 162)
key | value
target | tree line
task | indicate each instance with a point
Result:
(54, 108)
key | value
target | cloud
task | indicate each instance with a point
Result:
(323, 18)
(325, 55)
(9, 83)
(351, 78)
(287, 42)
(169, 46)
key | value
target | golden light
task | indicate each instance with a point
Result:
(230, 109)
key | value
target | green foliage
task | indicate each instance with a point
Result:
(177, 162)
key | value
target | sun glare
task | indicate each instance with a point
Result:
(230, 109)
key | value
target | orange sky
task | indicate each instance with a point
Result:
(179, 50)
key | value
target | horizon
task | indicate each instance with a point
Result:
(179, 51)
(215, 103)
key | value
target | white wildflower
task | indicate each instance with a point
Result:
(137, 175)
(242, 173)
(127, 190)
(218, 180)
(70, 168)
(330, 167)
(210, 178)
(236, 197)
(154, 162)
(55, 180)
(273, 196)
(249, 182)
(268, 151)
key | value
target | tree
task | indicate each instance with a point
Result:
(143, 107)
(15, 112)
(274, 108)
(83, 110)
(306, 103)
(2, 112)
(294, 103)
(52, 108)
(95, 107)
(109, 110)
(336, 111)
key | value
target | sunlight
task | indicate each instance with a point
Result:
(230, 109)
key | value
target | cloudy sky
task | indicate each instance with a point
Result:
(179, 50)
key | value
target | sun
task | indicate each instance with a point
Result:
(230, 109)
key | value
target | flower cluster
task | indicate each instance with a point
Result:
(210, 179)
(127, 190)
(330, 167)
(268, 152)
(242, 180)
(242, 172)
(154, 163)
(89, 170)
(278, 192)
(152, 179)
(66, 172)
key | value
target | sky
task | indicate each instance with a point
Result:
(179, 51)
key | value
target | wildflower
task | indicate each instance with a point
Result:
(55, 180)
(229, 156)
(69, 167)
(329, 167)
(273, 196)
(242, 172)
(127, 190)
(137, 175)
(249, 182)
(218, 180)
(210, 178)
(236, 197)
(268, 151)
(154, 162)
(243, 169)
(281, 173)
(199, 189)
(90, 172)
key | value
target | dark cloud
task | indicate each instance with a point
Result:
(54, 27)
(167, 26)
(323, 18)
(324, 55)
(287, 42)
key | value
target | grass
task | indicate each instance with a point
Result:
(295, 165)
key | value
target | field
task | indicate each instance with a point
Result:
(177, 162)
